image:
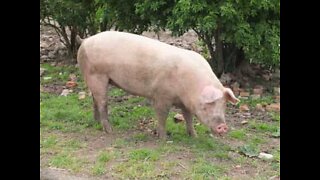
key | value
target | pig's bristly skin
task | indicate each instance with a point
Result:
(163, 73)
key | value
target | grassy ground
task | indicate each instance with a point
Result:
(71, 139)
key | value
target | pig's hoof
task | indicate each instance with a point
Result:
(162, 136)
(194, 135)
(107, 128)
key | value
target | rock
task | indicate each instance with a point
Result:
(246, 114)
(43, 45)
(276, 90)
(244, 122)
(50, 39)
(259, 107)
(51, 55)
(244, 94)
(258, 91)
(266, 77)
(63, 53)
(42, 71)
(265, 156)
(178, 118)
(65, 92)
(276, 74)
(44, 57)
(238, 166)
(71, 84)
(243, 107)
(277, 98)
(255, 96)
(82, 95)
(273, 107)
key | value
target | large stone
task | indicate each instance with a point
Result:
(178, 118)
(51, 55)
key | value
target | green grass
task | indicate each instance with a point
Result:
(64, 119)
(263, 127)
(67, 161)
(144, 154)
(238, 134)
(275, 116)
(115, 92)
(100, 166)
(60, 75)
(135, 170)
(203, 169)
(264, 100)
(140, 137)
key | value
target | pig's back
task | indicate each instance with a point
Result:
(142, 65)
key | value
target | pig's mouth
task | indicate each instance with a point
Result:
(220, 130)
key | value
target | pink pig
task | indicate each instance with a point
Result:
(165, 74)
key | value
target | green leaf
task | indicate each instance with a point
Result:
(249, 150)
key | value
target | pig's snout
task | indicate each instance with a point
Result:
(221, 129)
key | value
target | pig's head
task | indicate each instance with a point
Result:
(211, 108)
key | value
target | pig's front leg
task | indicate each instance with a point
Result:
(188, 117)
(162, 110)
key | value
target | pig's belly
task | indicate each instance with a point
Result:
(132, 86)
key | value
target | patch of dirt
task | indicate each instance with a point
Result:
(53, 88)
(61, 174)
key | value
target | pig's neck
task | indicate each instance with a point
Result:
(193, 92)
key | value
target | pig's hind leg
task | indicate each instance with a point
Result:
(98, 85)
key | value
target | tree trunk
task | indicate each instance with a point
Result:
(218, 55)
(73, 46)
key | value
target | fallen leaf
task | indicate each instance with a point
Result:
(71, 84)
(273, 107)
(243, 107)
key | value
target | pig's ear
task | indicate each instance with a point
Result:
(230, 96)
(210, 94)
